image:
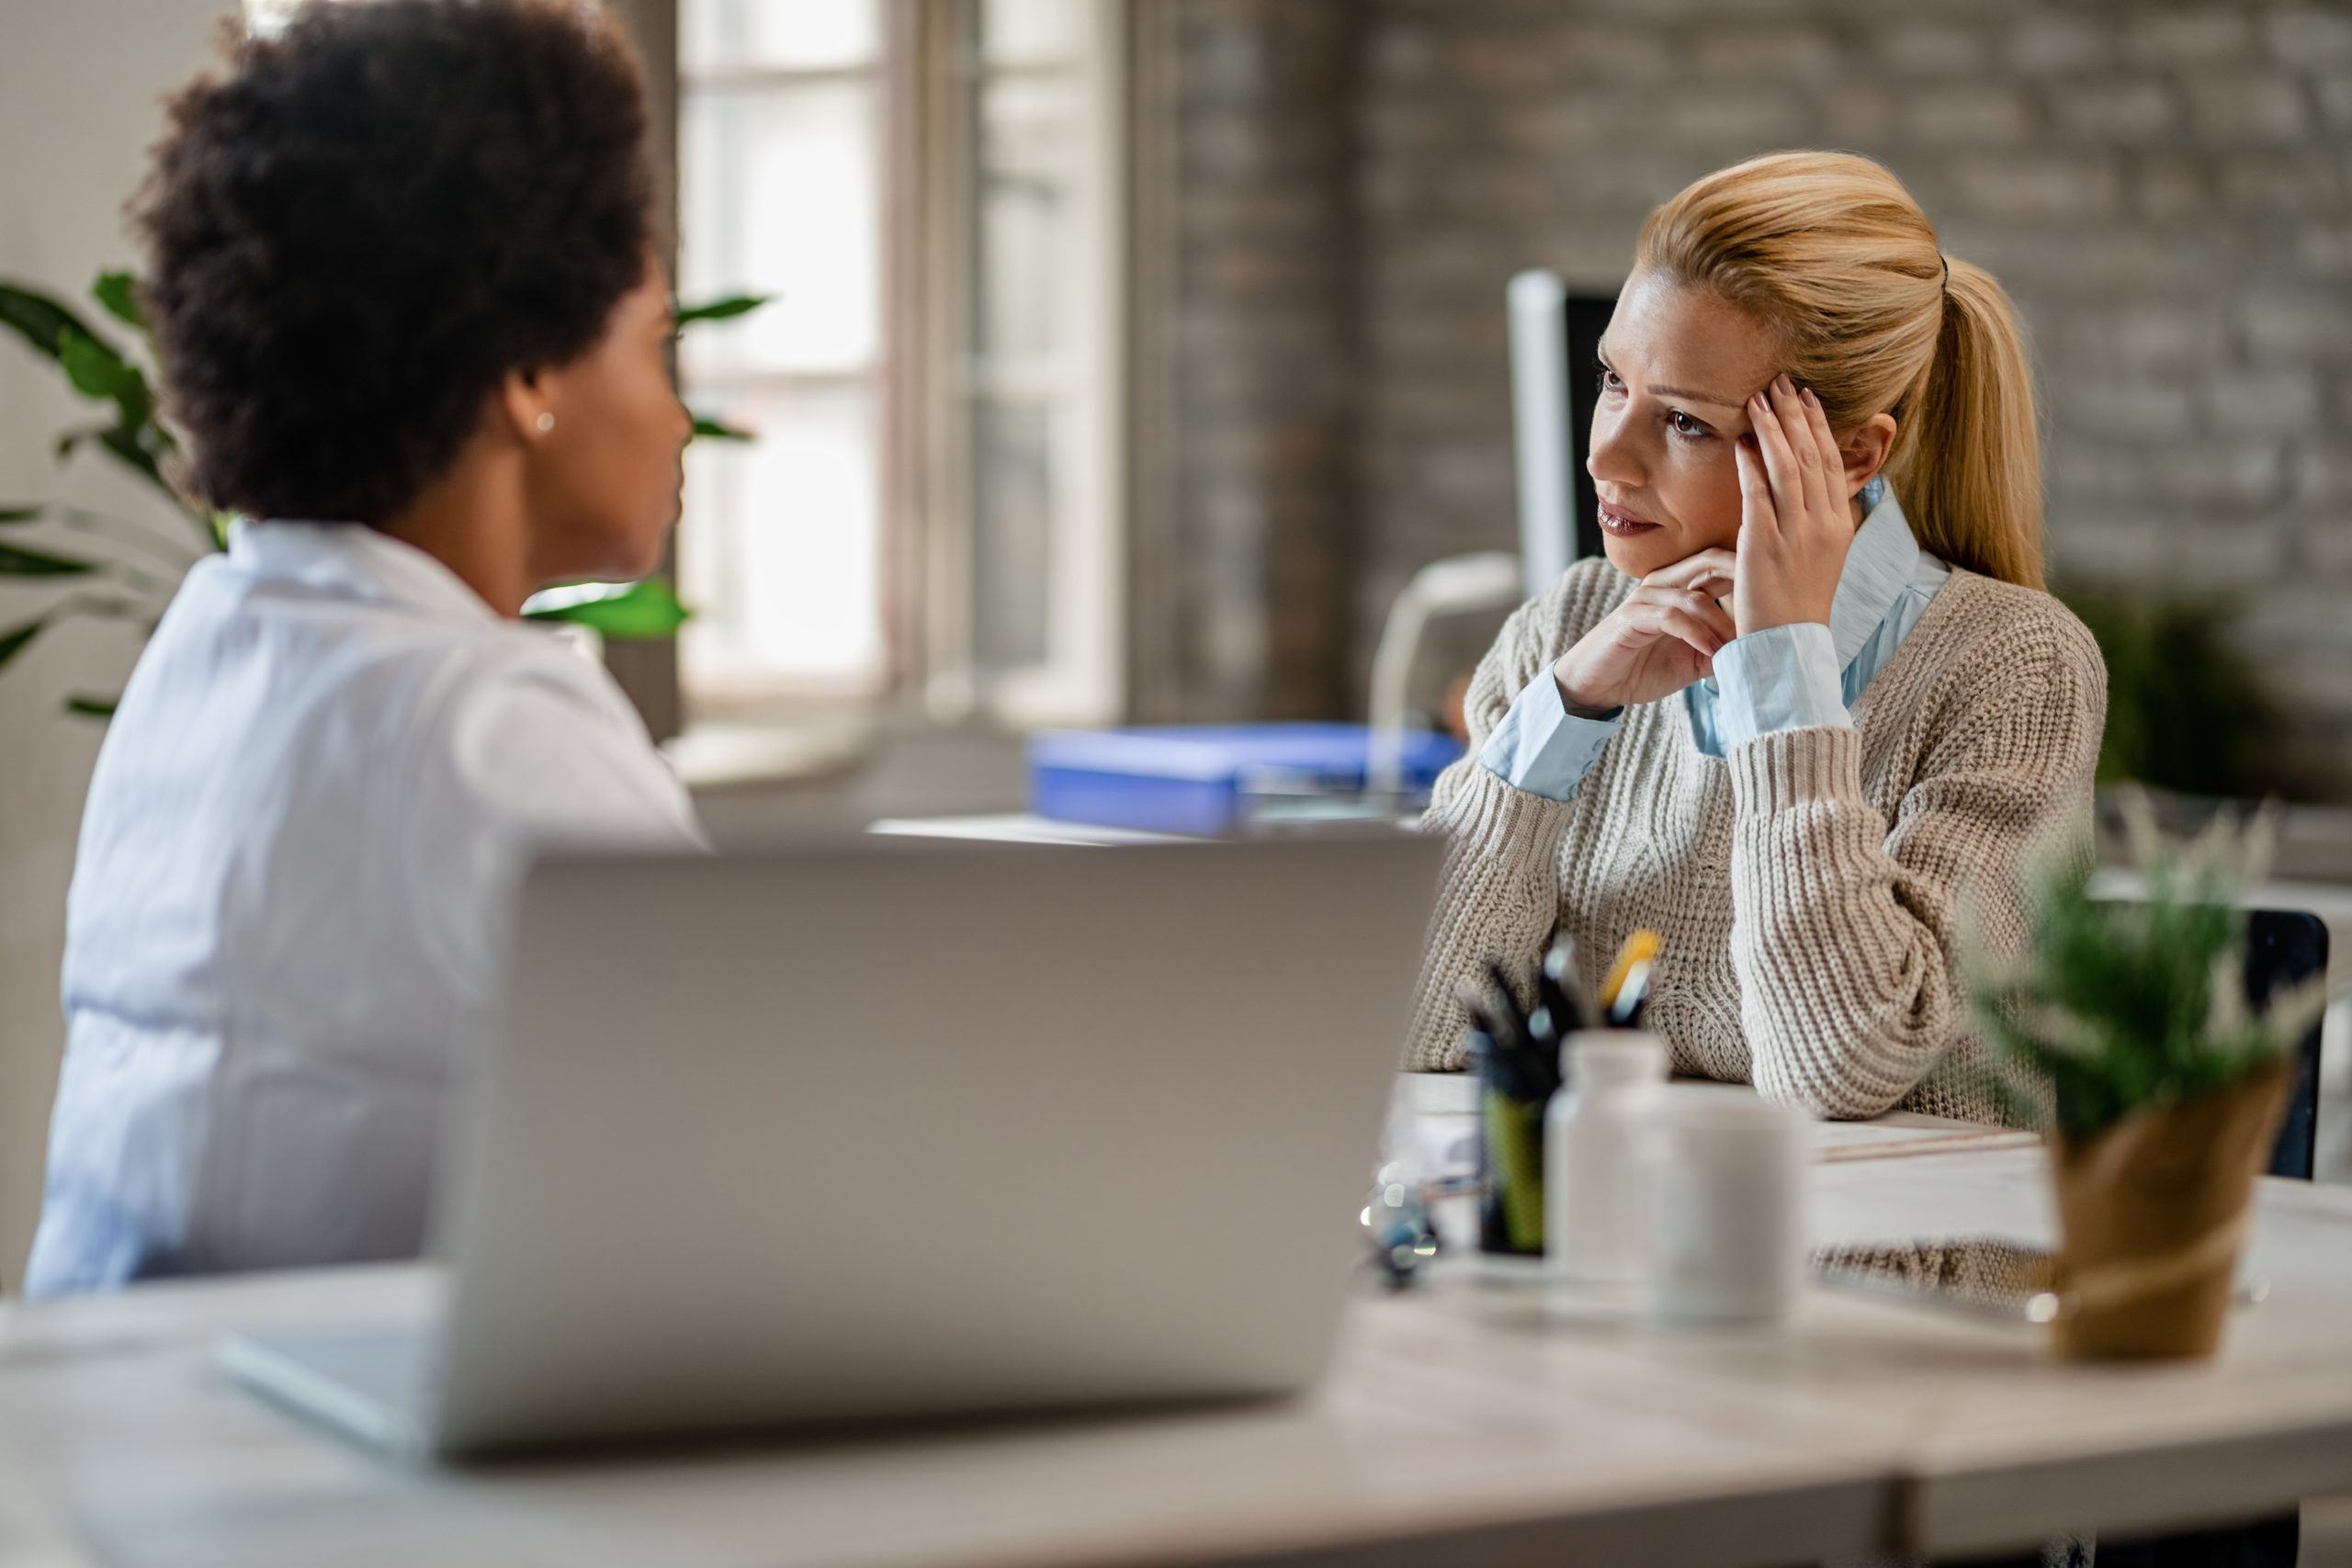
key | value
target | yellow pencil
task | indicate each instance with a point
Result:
(1640, 948)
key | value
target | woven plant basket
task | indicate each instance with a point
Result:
(2154, 1212)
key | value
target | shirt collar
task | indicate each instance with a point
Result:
(1880, 565)
(353, 561)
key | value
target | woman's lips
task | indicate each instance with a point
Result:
(1624, 524)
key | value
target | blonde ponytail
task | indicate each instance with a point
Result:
(1971, 477)
(1828, 250)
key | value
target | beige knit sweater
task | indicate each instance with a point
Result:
(1811, 888)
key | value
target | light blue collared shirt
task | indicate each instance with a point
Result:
(1788, 677)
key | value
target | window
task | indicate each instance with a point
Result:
(781, 119)
(1027, 399)
(932, 508)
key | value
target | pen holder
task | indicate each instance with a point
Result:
(1511, 1165)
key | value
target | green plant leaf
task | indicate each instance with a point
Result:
(136, 450)
(14, 643)
(2123, 1005)
(96, 370)
(635, 612)
(73, 441)
(133, 453)
(118, 292)
(17, 561)
(39, 319)
(2187, 709)
(90, 708)
(722, 310)
(99, 372)
(709, 429)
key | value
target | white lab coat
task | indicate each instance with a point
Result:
(296, 858)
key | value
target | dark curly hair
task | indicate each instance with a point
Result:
(368, 219)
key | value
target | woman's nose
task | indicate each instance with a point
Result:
(1611, 461)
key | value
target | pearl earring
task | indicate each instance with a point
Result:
(545, 423)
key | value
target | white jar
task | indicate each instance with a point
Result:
(1727, 1206)
(1594, 1211)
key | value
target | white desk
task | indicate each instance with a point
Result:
(1992, 1445)
(1457, 1424)
(120, 1442)
(1446, 1104)
(2001, 1444)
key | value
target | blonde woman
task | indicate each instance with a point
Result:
(1815, 704)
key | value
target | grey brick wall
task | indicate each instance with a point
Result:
(1260, 341)
(2163, 187)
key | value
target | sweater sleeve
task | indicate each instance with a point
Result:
(1499, 893)
(1846, 927)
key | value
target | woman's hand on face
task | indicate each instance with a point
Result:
(1664, 637)
(1796, 521)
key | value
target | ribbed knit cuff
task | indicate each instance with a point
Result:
(1488, 814)
(1796, 767)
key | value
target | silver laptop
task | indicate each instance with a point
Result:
(903, 1128)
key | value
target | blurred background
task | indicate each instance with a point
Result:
(1125, 361)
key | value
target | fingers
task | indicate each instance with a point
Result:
(1710, 570)
(1758, 517)
(1792, 461)
(1833, 461)
(1699, 605)
(1796, 426)
(1689, 630)
(1689, 617)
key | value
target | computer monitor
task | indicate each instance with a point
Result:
(1554, 347)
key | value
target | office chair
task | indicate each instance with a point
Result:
(2283, 949)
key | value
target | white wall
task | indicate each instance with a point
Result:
(80, 84)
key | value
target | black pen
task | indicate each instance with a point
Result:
(1632, 996)
(1518, 1073)
(1507, 1010)
(1494, 1067)
(1556, 982)
(1539, 1070)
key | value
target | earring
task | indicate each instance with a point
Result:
(543, 423)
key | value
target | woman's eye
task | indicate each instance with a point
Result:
(1607, 379)
(1685, 427)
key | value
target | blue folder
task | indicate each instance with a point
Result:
(1210, 779)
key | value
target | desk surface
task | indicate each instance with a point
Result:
(1991, 1443)
(120, 1442)
(1457, 1417)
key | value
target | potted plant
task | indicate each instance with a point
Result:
(134, 580)
(2127, 1022)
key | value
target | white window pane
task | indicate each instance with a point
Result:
(780, 548)
(1023, 208)
(801, 34)
(778, 196)
(1012, 534)
(1029, 32)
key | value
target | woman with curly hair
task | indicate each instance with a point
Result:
(401, 269)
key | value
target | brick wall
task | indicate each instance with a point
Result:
(2162, 187)
(1260, 342)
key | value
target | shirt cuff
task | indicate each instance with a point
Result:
(1540, 747)
(1780, 678)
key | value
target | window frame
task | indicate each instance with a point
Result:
(1083, 678)
(926, 397)
(785, 698)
